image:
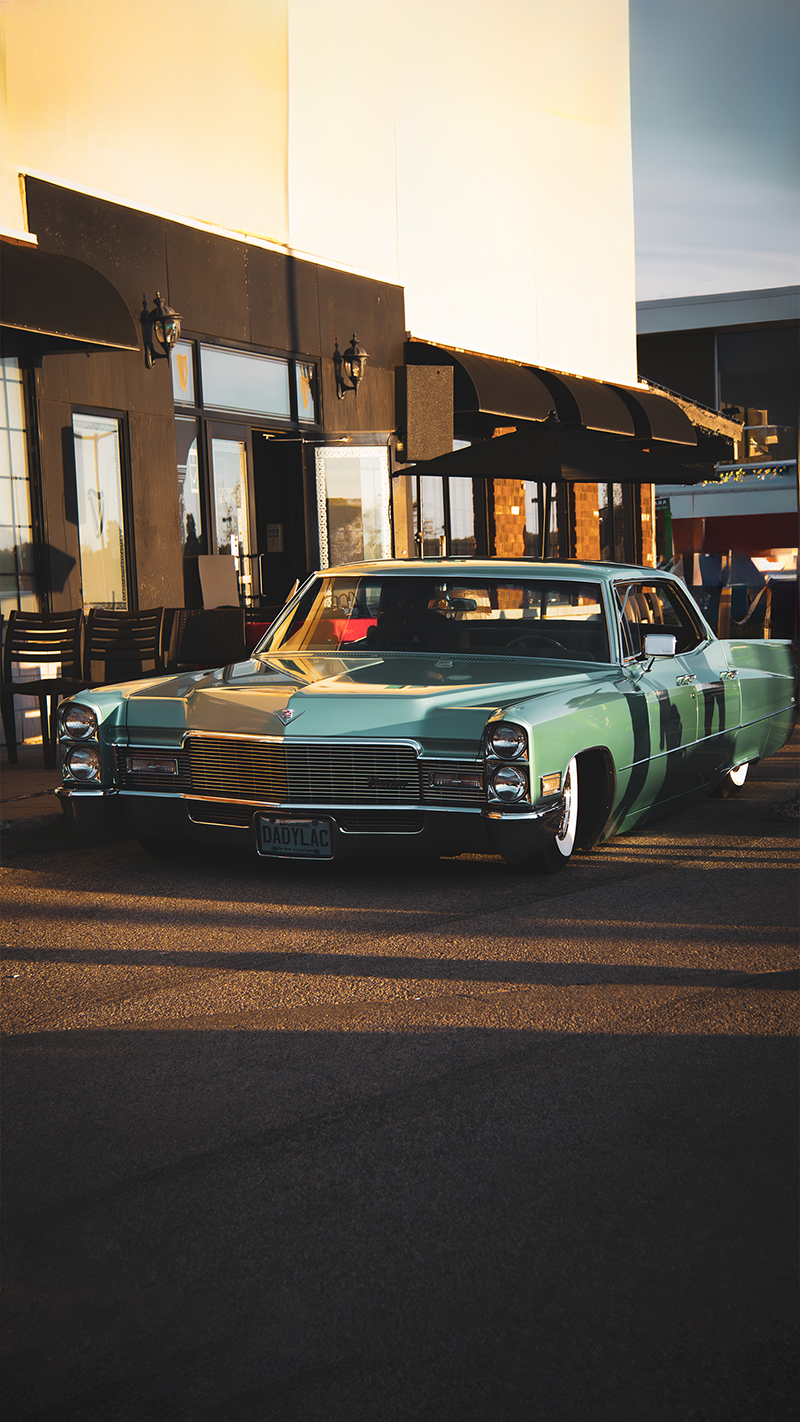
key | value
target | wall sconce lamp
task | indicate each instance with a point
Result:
(162, 323)
(354, 361)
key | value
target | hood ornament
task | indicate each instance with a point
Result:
(288, 715)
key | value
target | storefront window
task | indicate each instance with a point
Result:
(193, 535)
(462, 518)
(353, 504)
(533, 531)
(306, 404)
(183, 373)
(246, 384)
(101, 524)
(17, 581)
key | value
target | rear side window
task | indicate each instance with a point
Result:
(655, 607)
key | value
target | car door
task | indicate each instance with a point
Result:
(661, 693)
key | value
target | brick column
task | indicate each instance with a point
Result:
(587, 522)
(509, 536)
(648, 517)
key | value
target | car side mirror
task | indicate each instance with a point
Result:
(660, 644)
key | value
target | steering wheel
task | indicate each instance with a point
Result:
(533, 639)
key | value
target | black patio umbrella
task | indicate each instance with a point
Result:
(550, 451)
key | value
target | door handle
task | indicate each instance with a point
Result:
(685, 680)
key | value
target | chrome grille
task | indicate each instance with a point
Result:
(303, 774)
(237, 769)
(450, 794)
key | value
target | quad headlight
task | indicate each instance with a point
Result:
(83, 763)
(76, 722)
(509, 783)
(507, 741)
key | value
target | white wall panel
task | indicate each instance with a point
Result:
(177, 105)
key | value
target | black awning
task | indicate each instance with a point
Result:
(546, 452)
(487, 386)
(52, 295)
(524, 392)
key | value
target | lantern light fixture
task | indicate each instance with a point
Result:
(353, 362)
(162, 324)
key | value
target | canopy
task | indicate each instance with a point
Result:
(486, 385)
(551, 451)
(54, 295)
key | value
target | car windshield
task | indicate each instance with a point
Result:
(519, 617)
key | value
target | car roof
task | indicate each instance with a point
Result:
(567, 568)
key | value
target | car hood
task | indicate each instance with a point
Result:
(429, 698)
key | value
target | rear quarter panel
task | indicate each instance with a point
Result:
(768, 680)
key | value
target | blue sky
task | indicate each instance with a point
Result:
(715, 95)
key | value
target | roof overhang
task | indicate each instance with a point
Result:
(509, 391)
(52, 295)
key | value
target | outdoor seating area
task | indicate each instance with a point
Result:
(49, 656)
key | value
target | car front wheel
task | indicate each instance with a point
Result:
(559, 853)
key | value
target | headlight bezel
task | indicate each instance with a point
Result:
(516, 747)
(84, 726)
(92, 754)
(515, 788)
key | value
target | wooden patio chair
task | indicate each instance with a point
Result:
(206, 637)
(34, 638)
(126, 645)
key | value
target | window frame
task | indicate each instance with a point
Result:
(692, 617)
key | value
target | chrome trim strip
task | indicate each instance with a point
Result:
(518, 815)
(299, 740)
(95, 791)
(323, 809)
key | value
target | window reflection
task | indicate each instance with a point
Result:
(182, 364)
(462, 518)
(101, 525)
(229, 471)
(353, 504)
(306, 404)
(248, 384)
(17, 584)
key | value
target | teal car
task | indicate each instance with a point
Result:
(515, 708)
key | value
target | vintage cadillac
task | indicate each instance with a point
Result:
(515, 708)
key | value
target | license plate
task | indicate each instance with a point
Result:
(294, 839)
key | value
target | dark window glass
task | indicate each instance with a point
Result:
(655, 607)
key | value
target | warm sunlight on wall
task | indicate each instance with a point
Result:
(478, 155)
(177, 105)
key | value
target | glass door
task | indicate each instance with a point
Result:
(231, 522)
(444, 517)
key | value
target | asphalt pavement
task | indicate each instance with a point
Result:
(375, 1141)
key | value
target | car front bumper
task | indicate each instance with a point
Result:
(514, 834)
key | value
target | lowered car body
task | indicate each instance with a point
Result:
(517, 708)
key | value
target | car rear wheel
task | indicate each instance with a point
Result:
(731, 783)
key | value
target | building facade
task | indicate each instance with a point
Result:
(307, 182)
